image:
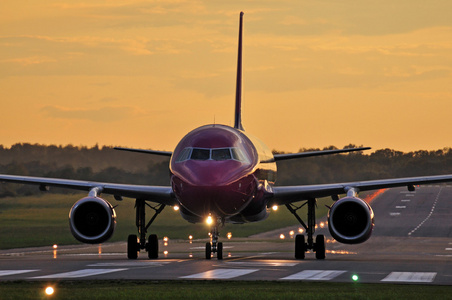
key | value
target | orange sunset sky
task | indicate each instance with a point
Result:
(143, 73)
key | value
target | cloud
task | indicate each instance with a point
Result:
(103, 114)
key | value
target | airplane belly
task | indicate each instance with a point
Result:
(220, 200)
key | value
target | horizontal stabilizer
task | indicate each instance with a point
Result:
(279, 157)
(154, 152)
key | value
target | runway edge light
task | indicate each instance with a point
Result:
(49, 291)
(355, 277)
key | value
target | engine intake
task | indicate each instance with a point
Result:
(351, 220)
(92, 220)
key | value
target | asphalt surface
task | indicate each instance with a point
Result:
(411, 243)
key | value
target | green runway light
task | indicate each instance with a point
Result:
(355, 277)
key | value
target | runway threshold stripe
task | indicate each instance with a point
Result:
(314, 275)
(221, 274)
(15, 272)
(410, 277)
(79, 273)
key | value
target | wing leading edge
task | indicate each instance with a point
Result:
(282, 195)
(158, 194)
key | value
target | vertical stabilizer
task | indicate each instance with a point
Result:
(238, 91)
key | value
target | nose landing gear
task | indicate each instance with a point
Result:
(214, 246)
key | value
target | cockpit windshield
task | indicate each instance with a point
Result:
(218, 154)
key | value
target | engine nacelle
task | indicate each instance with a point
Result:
(351, 220)
(92, 220)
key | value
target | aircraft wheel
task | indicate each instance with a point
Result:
(208, 250)
(132, 247)
(153, 247)
(320, 246)
(220, 250)
(300, 246)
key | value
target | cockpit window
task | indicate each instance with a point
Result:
(200, 154)
(237, 154)
(217, 154)
(221, 154)
(184, 155)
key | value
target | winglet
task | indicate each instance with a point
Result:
(238, 91)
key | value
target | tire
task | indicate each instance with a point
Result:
(208, 251)
(153, 247)
(320, 246)
(220, 251)
(132, 247)
(300, 246)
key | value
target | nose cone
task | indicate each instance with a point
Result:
(210, 187)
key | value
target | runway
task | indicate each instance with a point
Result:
(412, 243)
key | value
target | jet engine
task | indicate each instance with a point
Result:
(351, 220)
(92, 220)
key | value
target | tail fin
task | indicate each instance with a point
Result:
(238, 91)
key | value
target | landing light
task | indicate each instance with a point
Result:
(275, 207)
(282, 236)
(176, 208)
(209, 220)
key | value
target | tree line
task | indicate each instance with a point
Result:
(109, 165)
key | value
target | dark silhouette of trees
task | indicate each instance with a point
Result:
(109, 165)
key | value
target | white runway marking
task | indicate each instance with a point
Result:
(80, 273)
(410, 277)
(15, 272)
(131, 264)
(405, 200)
(314, 275)
(401, 206)
(263, 263)
(429, 215)
(221, 274)
(393, 214)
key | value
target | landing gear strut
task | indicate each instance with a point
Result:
(135, 243)
(300, 245)
(214, 246)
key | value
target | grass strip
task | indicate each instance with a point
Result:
(219, 290)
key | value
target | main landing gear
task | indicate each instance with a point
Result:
(300, 245)
(135, 243)
(214, 246)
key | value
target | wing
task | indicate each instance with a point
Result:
(287, 194)
(159, 194)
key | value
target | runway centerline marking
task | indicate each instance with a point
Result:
(314, 275)
(15, 272)
(79, 273)
(220, 274)
(410, 277)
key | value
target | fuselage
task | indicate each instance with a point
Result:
(221, 171)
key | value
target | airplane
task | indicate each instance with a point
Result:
(221, 174)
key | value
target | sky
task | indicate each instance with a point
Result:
(142, 74)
